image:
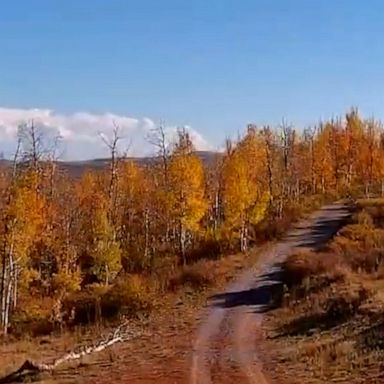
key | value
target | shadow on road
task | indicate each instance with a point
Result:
(264, 297)
(323, 228)
(317, 235)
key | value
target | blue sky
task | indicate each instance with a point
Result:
(214, 65)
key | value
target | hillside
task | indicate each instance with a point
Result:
(328, 327)
(77, 168)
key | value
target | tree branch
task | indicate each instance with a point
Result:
(31, 368)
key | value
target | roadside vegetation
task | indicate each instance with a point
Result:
(330, 325)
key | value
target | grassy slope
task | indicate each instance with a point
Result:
(330, 326)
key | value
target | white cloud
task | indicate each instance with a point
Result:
(79, 132)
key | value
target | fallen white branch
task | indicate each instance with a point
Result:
(120, 334)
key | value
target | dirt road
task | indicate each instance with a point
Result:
(225, 348)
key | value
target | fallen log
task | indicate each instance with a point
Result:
(32, 368)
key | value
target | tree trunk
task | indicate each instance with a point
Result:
(146, 234)
(216, 213)
(4, 279)
(182, 237)
(8, 296)
(9, 289)
(15, 277)
(106, 274)
(244, 238)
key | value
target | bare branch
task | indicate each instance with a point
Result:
(15, 158)
(158, 138)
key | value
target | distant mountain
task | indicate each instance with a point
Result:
(77, 168)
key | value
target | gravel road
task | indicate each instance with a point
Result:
(225, 348)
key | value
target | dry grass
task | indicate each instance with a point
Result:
(198, 276)
(330, 326)
(14, 352)
(306, 264)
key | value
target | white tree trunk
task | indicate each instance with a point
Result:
(182, 238)
(146, 231)
(4, 284)
(244, 238)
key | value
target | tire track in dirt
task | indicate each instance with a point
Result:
(225, 347)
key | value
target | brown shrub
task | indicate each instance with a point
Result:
(321, 354)
(344, 247)
(347, 300)
(368, 262)
(367, 203)
(355, 232)
(374, 307)
(197, 276)
(33, 318)
(85, 306)
(375, 208)
(271, 229)
(130, 295)
(306, 264)
(274, 227)
(163, 269)
(361, 247)
(364, 218)
(210, 248)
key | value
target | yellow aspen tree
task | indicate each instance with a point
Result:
(138, 218)
(245, 193)
(302, 176)
(309, 148)
(379, 163)
(21, 227)
(213, 192)
(352, 141)
(323, 166)
(186, 192)
(287, 147)
(101, 251)
(270, 161)
(65, 277)
(367, 155)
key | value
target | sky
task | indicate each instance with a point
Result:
(78, 67)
